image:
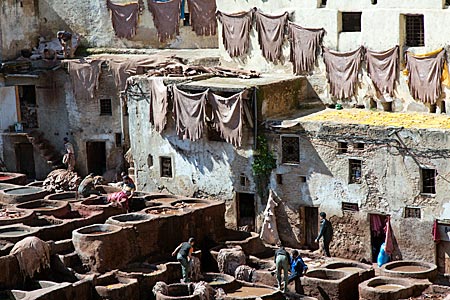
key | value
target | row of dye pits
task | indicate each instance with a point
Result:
(56, 208)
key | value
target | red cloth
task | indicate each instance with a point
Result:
(389, 242)
(120, 197)
(436, 235)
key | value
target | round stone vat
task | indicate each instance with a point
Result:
(10, 216)
(168, 197)
(14, 178)
(410, 269)
(118, 289)
(22, 194)
(107, 189)
(69, 196)
(36, 184)
(189, 203)
(386, 288)
(5, 248)
(331, 284)
(5, 186)
(129, 219)
(365, 271)
(14, 233)
(250, 291)
(177, 291)
(217, 280)
(54, 208)
(96, 246)
(162, 211)
(147, 276)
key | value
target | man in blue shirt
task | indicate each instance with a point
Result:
(298, 267)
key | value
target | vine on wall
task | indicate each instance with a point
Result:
(263, 163)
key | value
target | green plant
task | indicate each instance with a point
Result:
(263, 164)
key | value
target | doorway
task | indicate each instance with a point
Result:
(25, 159)
(28, 107)
(377, 235)
(311, 226)
(96, 157)
(246, 208)
(443, 249)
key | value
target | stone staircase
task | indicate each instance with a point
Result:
(46, 149)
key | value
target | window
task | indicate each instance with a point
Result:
(118, 139)
(342, 147)
(187, 19)
(447, 3)
(290, 149)
(302, 178)
(358, 146)
(150, 161)
(412, 212)
(355, 166)
(347, 206)
(351, 22)
(166, 166)
(323, 3)
(374, 2)
(105, 107)
(243, 180)
(428, 181)
(415, 36)
(279, 179)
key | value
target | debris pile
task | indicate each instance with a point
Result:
(61, 180)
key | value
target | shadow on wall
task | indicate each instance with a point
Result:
(48, 27)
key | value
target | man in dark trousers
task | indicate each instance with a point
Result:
(282, 262)
(326, 231)
(184, 253)
(298, 268)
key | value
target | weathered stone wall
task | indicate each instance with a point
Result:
(390, 182)
(19, 27)
(382, 27)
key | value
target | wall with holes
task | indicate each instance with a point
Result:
(390, 182)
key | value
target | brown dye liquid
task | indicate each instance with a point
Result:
(409, 269)
(247, 291)
(389, 287)
(349, 269)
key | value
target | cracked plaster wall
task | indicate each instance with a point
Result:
(391, 181)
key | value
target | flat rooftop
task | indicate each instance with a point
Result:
(377, 118)
(235, 84)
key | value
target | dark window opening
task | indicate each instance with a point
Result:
(373, 104)
(118, 139)
(166, 166)
(150, 160)
(374, 2)
(290, 149)
(187, 20)
(342, 147)
(351, 21)
(387, 106)
(428, 181)
(243, 180)
(412, 212)
(246, 211)
(302, 178)
(279, 179)
(28, 107)
(347, 206)
(212, 133)
(447, 2)
(442, 107)
(415, 34)
(105, 107)
(359, 146)
(355, 166)
(323, 3)
(433, 108)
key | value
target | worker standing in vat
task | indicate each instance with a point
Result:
(298, 268)
(69, 157)
(184, 254)
(282, 263)
(65, 38)
(326, 231)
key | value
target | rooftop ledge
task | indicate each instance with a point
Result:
(377, 118)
